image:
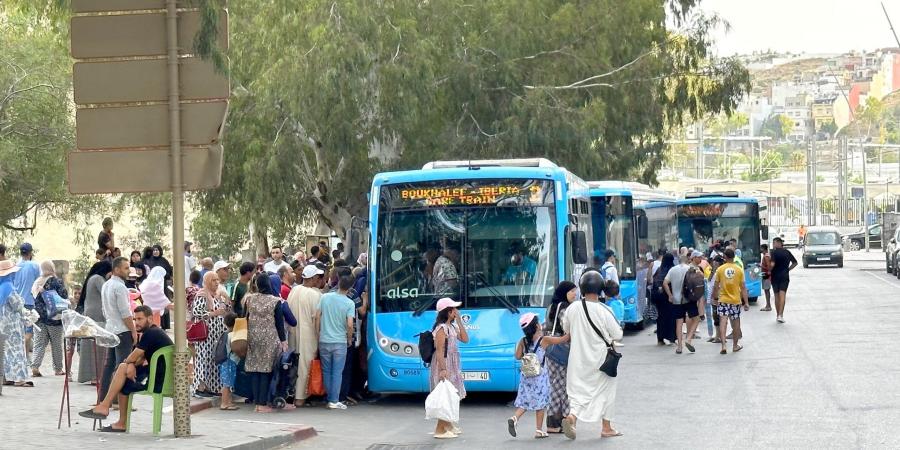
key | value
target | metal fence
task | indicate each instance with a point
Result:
(794, 211)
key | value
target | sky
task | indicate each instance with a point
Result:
(811, 26)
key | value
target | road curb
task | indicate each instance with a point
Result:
(286, 436)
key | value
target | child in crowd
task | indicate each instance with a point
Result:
(534, 390)
(228, 367)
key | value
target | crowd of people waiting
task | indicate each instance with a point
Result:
(308, 306)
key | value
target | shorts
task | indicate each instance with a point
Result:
(139, 384)
(766, 284)
(729, 310)
(228, 373)
(780, 286)
(689, 309)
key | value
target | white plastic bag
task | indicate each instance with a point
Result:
(443, 403)
(75, 325)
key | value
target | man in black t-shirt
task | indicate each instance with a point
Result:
(133, 374)
(783, 262)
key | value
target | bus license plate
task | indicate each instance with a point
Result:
(824, 259)
(476, 376)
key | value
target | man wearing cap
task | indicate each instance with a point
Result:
(223, 270)
(304, 302)
(29, 271)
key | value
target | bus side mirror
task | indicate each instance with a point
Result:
(765, 232)
(643, 227)
(579, 247)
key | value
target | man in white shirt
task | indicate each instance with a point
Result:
(277, 261)
(119, 319)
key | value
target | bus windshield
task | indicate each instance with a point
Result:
(613, 222)
(498, 251)
(700, 224)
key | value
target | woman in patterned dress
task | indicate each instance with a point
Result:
(558, 408)
(266, 338)
(448, 332)
(12, 327)
(209, 306)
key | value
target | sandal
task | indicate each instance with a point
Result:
(766, 309)
(110, 429)
(511, 425)
(24, 384)
(738, 348)
(690, 347)
(569, 428)
(723, 352)
(613, 434)
(540, 434)
(554, 430)
(229, 408)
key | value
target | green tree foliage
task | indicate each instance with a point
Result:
(329, 92)
(36, 126)
(777, 126)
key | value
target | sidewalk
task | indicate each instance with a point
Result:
(34, 412)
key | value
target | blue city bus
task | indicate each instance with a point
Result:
(497, 236)
(613, 225)
(705, 217)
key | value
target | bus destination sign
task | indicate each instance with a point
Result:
(468, 194)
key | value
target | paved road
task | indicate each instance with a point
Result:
(826, 378)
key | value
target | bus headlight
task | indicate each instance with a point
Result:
(408, 350)
(394, 373)
(630, 300)
(395, 347)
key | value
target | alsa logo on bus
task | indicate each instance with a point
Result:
(396, 293)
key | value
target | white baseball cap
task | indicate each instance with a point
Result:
(220, 265)
(312, 270)
(447, 302)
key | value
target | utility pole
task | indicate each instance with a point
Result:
(865, 198)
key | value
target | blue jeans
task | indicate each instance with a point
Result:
(333, 357)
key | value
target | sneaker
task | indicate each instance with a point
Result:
(780, 319)
(337, 405)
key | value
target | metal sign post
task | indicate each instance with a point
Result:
(145, 101)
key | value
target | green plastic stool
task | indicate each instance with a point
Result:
(168, 387)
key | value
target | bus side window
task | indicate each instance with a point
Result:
(579, 247)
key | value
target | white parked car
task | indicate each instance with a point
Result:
(790, 236)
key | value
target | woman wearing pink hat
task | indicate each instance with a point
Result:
(448, 330)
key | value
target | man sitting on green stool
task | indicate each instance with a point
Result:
(132, 375)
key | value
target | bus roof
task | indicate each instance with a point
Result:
(522, 162)
(553, 172)
(628, 188)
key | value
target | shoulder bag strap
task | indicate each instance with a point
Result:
(555, 319)
(591, 322)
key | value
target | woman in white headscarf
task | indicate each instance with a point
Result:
(51, 330)
(153, 292)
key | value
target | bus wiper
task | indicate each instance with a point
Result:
(496, 294)
(425, 306)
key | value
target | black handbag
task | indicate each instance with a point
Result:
(558, 353)
(610, 365)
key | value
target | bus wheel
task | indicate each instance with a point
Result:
(753, 300)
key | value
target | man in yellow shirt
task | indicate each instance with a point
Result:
(730, 294)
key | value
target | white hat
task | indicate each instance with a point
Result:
(447, 302)
(311, 271)
(696, 254)
(220, 265)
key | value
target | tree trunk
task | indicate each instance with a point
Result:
(258, 233)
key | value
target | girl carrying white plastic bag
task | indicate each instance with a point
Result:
(443, 403)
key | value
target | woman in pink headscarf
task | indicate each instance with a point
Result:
(153, 292)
